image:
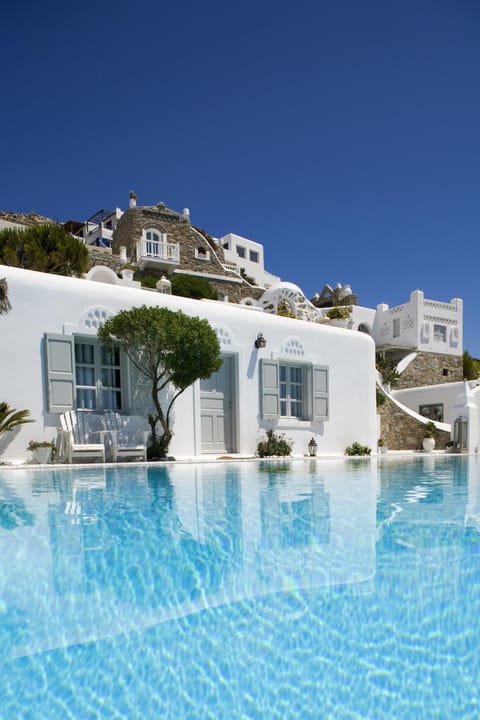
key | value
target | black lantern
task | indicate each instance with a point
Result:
(260, 342)
(312, 447)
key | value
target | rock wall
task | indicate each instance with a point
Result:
(431, 369)
(402, 432)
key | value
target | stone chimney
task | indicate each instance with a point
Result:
(132, 199)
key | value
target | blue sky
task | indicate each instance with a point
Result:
(343, 135)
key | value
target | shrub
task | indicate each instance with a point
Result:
(11, 418)
(357, 449)
(193, 287)
(341, 312)
(274, 445)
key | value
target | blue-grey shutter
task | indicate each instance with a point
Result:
(270, 409)
(319, 393)
(60, 363)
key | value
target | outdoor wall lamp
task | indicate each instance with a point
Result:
(260, 342)
(312, 447)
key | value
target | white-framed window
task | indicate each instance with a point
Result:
(396, 327)
(294, 390)
(254, 257)
(202, 254)
(82, 374)
(440, 333)
(241, 251)
(291, 390)
(154, 242)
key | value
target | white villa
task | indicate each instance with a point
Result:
(309, 379)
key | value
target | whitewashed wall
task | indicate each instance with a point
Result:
(416, 320)
(53, 304)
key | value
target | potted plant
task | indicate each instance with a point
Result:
(127, 271)
(339, 315)
(382, 448)
(41, 451)
(429, 434)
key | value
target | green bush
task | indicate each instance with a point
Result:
(341, 312)
(274, 445)
(357, 449)
(193, 287)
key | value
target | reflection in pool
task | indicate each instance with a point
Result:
(243, 590)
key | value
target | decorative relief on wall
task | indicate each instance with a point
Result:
(396, 310)
(385, 331)
(93, 319)
(293, 347)
(408, 323)
(440, 320)
(224, 337)
(434, 305)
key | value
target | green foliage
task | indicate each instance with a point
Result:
(284, 310)
(248, 278)
(5, 306)
(357, 449)
(193, 287)
(339, 312)
(387, 369)
(430, 430)
(274, 445)
(471, 366)
(380, 397)
(46, 248)
(11, 418)
(148, 281)
(169, 349)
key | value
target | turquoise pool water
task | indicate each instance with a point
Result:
(279, 590)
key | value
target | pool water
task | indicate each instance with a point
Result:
(280, 589)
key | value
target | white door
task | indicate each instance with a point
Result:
(216, 409)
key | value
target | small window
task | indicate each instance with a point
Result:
(254, 256)
(396, 327)
(433, 411)
(363, 327)
(108, 224)
(226, 246)
(440, 333)
(241, 252)
(202, 254)
(445, 372)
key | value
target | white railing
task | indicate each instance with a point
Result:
(158, 250)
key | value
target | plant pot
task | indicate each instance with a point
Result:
(383, 449)
(428, 444)
(42, 455)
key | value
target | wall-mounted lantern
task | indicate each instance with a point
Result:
(260, 342)
(312, 447)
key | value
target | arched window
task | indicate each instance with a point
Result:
(363, 327)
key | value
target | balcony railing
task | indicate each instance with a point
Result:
(157, 252)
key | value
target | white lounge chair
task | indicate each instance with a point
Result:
(128, 436)
(73, 439)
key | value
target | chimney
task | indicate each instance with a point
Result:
(186, 213)
(132, 199)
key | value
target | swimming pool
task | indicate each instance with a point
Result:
(279, 589)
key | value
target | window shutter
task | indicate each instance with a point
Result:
(60, 363)
(270, 398)
(319, 393)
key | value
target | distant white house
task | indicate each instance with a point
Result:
(308, 381)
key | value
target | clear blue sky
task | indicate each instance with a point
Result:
(344, 135)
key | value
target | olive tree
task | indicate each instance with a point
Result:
(168, 348)
(46, 248)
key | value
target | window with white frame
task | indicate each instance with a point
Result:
(154, 241)
(396, 327)
(254, 256)
(291, 390)
(241, 252)
(440, 333)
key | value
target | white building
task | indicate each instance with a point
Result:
(247, 255)
(309, 381)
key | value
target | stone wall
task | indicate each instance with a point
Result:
(431, 369)
(402, 432)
